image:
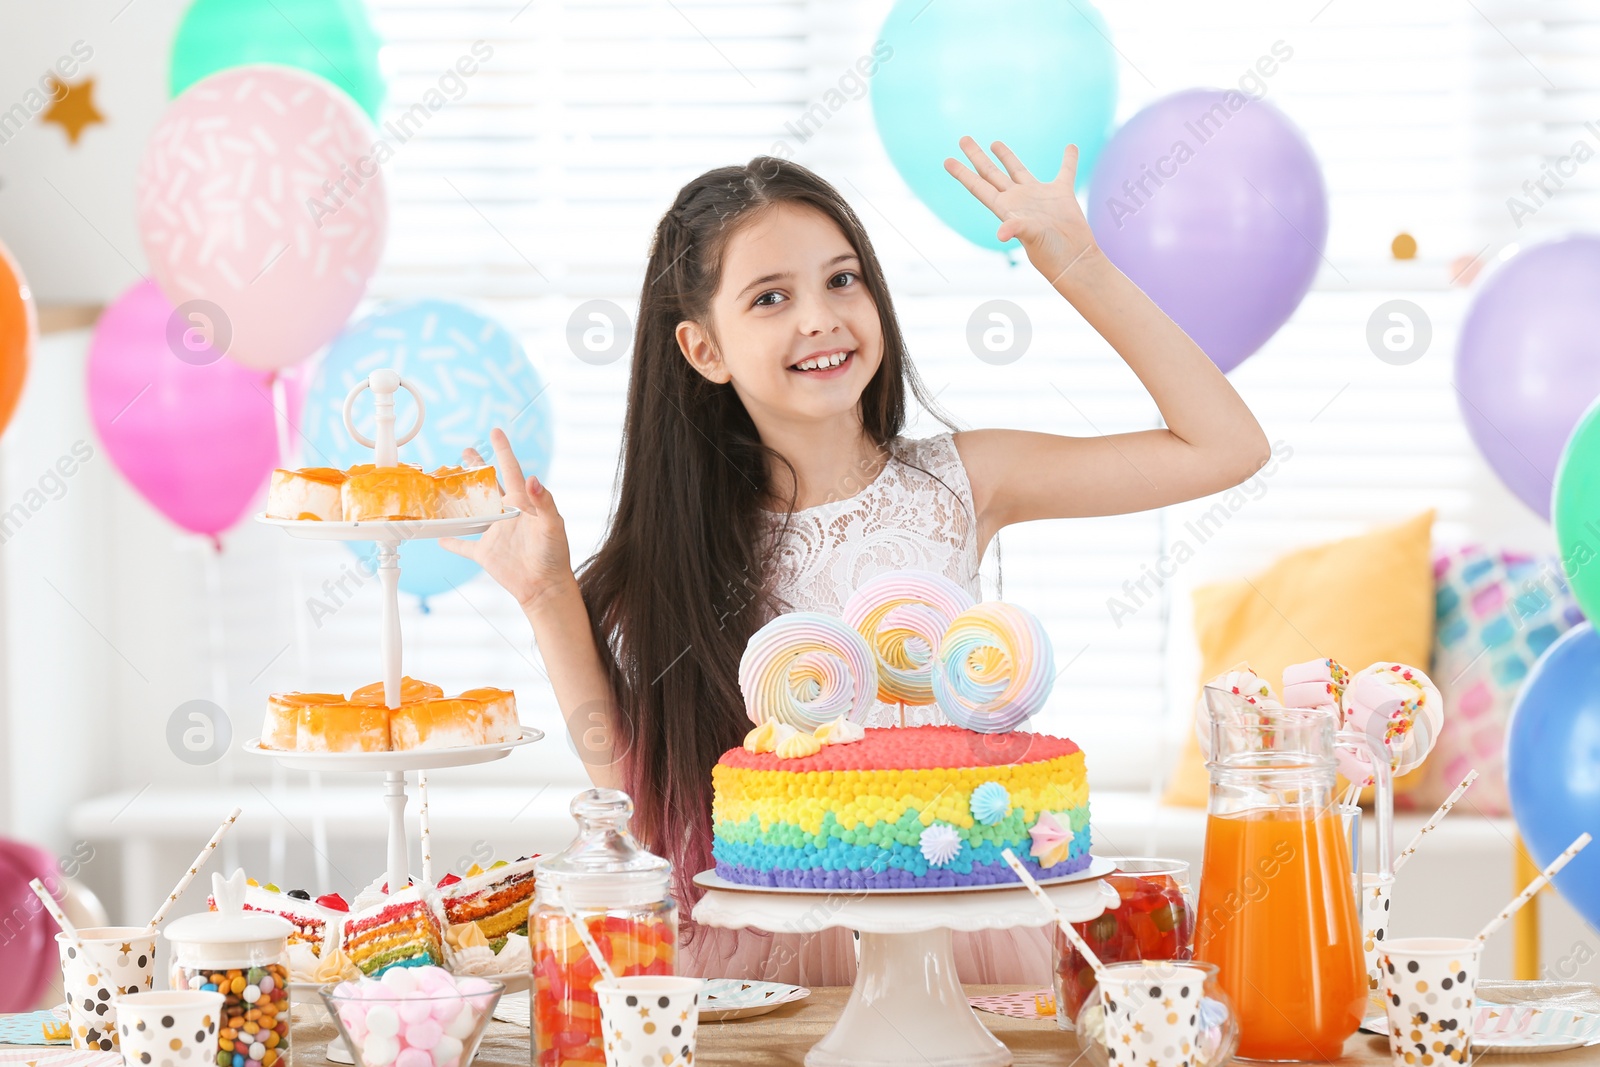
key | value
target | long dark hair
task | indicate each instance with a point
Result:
(679, 584)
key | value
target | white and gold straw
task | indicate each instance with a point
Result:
(427, 835)
(194, 869)
(60, 917)
(1534, 886)
(1055, 913)
(1427, 827)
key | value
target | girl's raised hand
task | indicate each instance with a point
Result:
(527, 555)
(1044, 216)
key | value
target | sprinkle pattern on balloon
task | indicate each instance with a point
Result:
(248, 198)
(903, 615)
(994, 668)
(804, 669)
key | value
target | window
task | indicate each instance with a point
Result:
(538, 189)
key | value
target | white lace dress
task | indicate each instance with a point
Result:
(917, 513)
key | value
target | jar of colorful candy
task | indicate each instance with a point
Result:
(245, 957)
(1154, 920)
(618, 890)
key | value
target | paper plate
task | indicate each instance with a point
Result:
(729, 998)
(1507, 1028)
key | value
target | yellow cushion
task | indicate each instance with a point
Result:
(1358, 600)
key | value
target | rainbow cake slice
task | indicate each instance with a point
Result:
(404, 929)
(496, 899)
(898, 808)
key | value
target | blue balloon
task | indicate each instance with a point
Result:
(1553, 762)
(473, 376)
(1036, 74)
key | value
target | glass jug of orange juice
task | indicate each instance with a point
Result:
(1278, 912)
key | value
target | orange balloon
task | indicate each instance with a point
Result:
(17, 331)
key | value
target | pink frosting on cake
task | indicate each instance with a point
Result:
(915, 749)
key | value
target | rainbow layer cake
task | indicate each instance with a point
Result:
(404, 929)
(852, 808)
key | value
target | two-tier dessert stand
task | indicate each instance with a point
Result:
(388, 534)
(907, 1007)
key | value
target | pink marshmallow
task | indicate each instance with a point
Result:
(413, 1057)
(414, 1011)
(445, 1009)
(424, 1035)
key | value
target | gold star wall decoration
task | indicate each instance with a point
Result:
(72, 107)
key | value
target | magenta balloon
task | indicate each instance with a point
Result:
(29, 959)
(1213, 203)
(1527, 366)
(196, 438)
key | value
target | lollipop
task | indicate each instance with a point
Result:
(1398, 706)
(805, 669)
(994, 667)
(903, 616)
(1242, 682)
(1318, 684)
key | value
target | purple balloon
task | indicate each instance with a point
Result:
(1527, 366)
(1213, 203)
(195, 433)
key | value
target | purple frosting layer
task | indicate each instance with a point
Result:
(894, 877)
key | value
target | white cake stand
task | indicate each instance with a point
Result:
(388, 534)
(907, 1007)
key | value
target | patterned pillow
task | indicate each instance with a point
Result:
(1496, 613)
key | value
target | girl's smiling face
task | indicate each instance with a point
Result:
(797, 332)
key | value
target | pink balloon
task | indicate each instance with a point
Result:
(260, 193)
(196, 434)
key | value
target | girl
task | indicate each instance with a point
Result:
(763, 471)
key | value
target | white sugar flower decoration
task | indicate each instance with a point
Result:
(941, 843)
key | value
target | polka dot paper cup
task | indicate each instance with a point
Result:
(1428, 989)
(1376, 890)
(169, 1029)
(121, 960)
(1158, 1013)
(649, 1020)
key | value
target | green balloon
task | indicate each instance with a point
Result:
(331, 38)
(1575, 511)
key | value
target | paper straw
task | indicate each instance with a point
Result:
(1534, 886)
(60, 917)
(1050, 906)
(587, 939)
(1427, 827)
(194, 869)
(427, 836)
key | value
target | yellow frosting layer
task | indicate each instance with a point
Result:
(866, 798)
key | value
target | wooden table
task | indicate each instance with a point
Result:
(782, 1037)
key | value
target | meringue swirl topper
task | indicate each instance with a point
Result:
(805, 668)
(903, 615)
(994, 667)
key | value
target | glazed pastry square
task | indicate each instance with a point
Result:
(499, 714)
(402, 492)
(313, 493)
(467, 492)
(343, 728)
(437, 723)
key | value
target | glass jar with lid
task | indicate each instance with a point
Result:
(244, 955)
(619, 891)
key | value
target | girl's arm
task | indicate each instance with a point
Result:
(529, 557)
(1211, 440)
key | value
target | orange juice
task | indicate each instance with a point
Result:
(1277, 915)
